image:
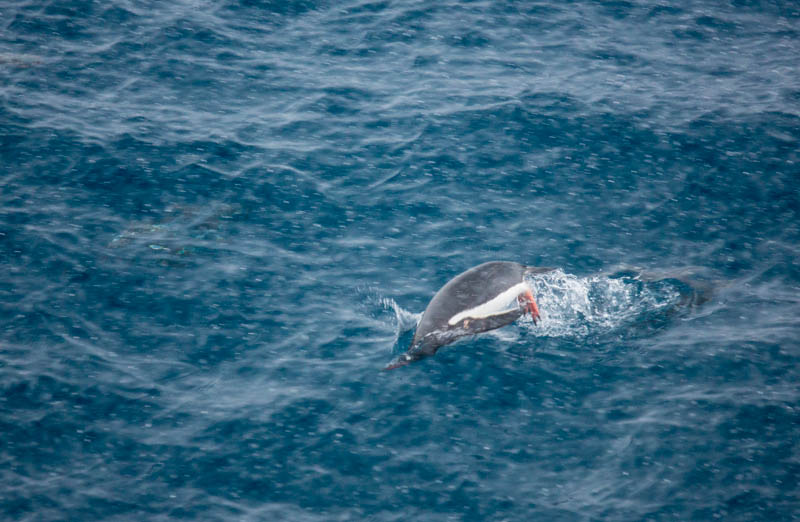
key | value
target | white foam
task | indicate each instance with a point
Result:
(575, 306)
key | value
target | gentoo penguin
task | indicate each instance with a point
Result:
(483, 298)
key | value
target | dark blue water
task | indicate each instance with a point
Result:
(220, 220)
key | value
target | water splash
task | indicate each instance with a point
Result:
(405, 321)
(386, 311)
(572, 306)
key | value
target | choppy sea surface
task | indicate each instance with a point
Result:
(220, 220)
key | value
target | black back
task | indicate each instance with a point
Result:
(468, 290)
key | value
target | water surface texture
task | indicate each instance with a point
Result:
(220, 220)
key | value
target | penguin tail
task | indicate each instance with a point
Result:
(403, 360)
(395, 364)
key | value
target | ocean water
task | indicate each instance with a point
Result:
(220, 220)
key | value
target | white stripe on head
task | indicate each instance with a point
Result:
(495, 306)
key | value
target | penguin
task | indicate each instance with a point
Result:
(483, 298)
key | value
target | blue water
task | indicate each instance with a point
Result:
(220, 220)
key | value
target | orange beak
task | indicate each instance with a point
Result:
(528, 303)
